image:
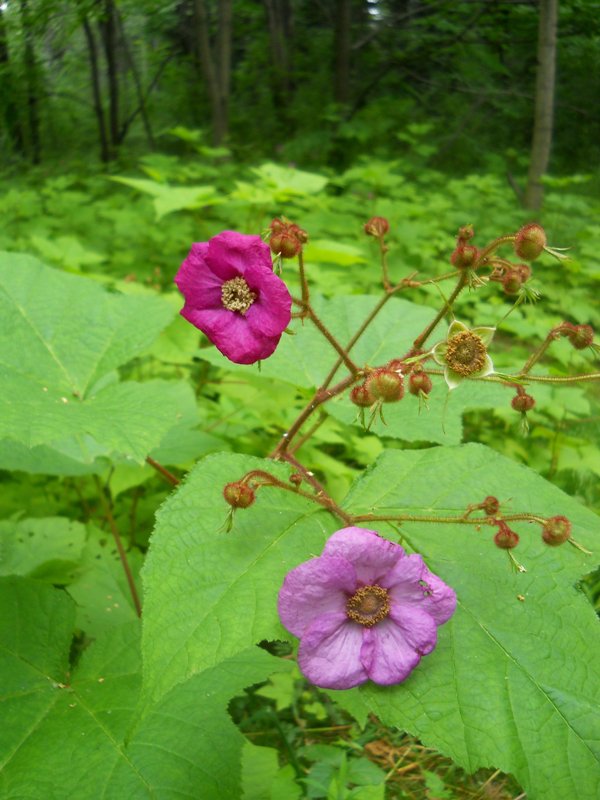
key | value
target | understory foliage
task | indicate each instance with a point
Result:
(121, 424)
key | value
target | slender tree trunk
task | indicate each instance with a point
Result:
(105, 152)
(215, 66)
(544, 104)
(108, 30)
(138, 86)
(341, 83)
(9, 106)
(279, 20)
(31, 77)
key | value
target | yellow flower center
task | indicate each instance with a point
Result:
(465, 353)
(368, 605)
(236, 295)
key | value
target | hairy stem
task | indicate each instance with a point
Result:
(168, 476)
(422, 338)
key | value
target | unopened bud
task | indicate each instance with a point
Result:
(385, 385)
(419, 382)
(238, 494)
(464, 256)
(296, 478)
(285, 244)
(512, 282)
(465, 233)
(491, 505)
(361, 396)
(377, 227)
(506, 538)
(530, 241)
(523, 402)
(556, 531)
(524, 271)
(581, 336)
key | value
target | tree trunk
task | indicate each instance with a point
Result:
(105, 153)
(544, 104)
(108, 30)
(9, 107)
(138, 87)
(279, 19)
(31, 78)
(343, 22)
(215, 66)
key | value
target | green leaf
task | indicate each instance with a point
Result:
(172, 198)
(46, 549)
(512, 682)
(262, 778)
(80, 736)
(61, 338)
(229, 580)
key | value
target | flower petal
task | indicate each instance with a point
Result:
(271, 311)
(230, 254)
(314, 588)
(330, 652)
(231, 334)
(386, 655)
(439, 352)
(455, 327)
(418, 627)
(371, 555)
(453, 379)
(411, 585)
(200, 287)
(485, 334)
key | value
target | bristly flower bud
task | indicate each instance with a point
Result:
(377, 227)
(286, 238)
(530, 241)
(419, 382)
(523, 402)
(385, 385)
(524, 271)
(512, 282)
(581, 336)
(464, 256)
(361, 396)
(465, 233)
(491, 505)
(506, 538)
(238, 494)
(556, 530)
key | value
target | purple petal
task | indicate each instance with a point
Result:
(329, 653)
(231, 254)
(200, 287)
(372, 555)
(411, 584)
(387, 655)
(417, 626)
(271, 312)
(314, 588)
(231, 334)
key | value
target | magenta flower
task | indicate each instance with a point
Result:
(232, 295)
(363, 610)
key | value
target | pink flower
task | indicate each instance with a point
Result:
(363, 610)
(232, 295)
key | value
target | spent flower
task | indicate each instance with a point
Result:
(232, 295)
(464, 353)
(363, 610)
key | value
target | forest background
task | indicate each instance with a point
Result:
(130, 129)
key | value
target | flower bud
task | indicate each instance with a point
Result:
(361, 396)
(296, 478)
(419, 382)
(465, 233)
(377, 227)
(491, 505)
(530, 241)
(556, 530)
(285, 244)
(523, 402)
(581, 336)
(464, 256)
(512, 282)
(385, 385)
(524, 271)
(238, 494)
(506, 538)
